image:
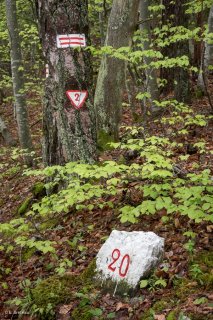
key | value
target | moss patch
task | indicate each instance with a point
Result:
(89, 273)
(82, 313)
(39, 190)
(22, 209)
(103, 139)
(204, 260)
(185, 287)
(28, 253)
(50, 291)
(56, 290)
(160, 305)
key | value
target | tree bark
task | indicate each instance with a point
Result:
(17, 76)
(209, 46)
(168, 51)
(182, 88)
(6, 134)
(69, 134)
(151, 78)
(206, 56)
(111, 76)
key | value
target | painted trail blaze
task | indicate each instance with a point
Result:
(71, 40)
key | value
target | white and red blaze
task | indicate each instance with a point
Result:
(71, 40)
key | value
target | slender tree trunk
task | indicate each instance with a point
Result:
(168, 51)
(69, 134)
(182, 89)
(151, 78)
(17, 75)
(111, 77)
(101, 26)
(209, 45)
(207, 56)
(6, 134)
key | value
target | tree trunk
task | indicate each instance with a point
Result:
(168, 51)
(151, 78)
(206, 56)
(69, 134)
(182, 89)
(6, 134)
(111, 76)
(17, 75)
(209, 46)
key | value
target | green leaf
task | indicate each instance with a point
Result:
(111, 315)
(201, 300)
(161, 282)
(144, 283)
(96, 312)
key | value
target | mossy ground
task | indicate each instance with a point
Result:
(56, 290)
(204, 260)
(82, 313)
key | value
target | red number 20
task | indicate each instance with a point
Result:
(115, 256)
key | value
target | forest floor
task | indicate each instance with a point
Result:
(185, 293)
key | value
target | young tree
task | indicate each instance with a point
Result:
(111, 76)
(17, 76)
(69, 134)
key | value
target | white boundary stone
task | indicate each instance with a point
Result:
(129, 256)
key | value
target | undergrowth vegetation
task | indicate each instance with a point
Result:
(149, 178)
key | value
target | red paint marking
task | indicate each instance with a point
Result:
(70, 42)
(115, 258)
(71, 38)
(110, 266)
(123, 274)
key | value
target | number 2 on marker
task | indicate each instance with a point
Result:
(126, 259)
(77, 97)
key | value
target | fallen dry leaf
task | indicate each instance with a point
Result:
(159, 317)
(65, 309)
(121, 305)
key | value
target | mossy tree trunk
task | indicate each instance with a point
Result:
(18, 78)
(111, 76)
(69, 134)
